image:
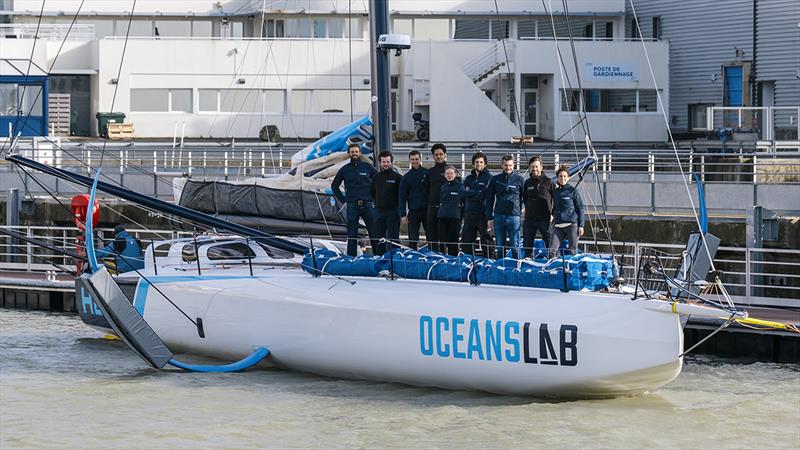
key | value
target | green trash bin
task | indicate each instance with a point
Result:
(103, 119)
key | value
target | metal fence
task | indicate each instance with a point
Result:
(754, 276)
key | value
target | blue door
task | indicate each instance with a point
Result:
(23, 106)
(733, 86)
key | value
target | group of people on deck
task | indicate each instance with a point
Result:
(455, 214)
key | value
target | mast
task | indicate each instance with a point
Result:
(381, 78)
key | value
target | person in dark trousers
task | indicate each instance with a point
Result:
(449, 214)
(124, 249)
(357, 177)
(503, 207)
(385, 190)
(435, 181)
(474, 198)
(567, 214)
(538, 196)
(414, 196)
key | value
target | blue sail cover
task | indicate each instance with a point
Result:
(359, 131)
(584, 271)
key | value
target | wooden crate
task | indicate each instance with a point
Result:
(119, 131)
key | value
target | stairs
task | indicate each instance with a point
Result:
(488, 64)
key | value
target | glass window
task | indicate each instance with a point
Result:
(435, 29)
(570, 99)
(526, 29)
(274, 28)
(207, 99)
(362, 101)
(648, 101)
(698, 116)
(103, 28)
(604, 31)
(402, 26)
(657, 27)
(336, 27)
(8, 99)
(181, 100)
(499, 29)
(173, 28)
(274, 101)
(530, 82)
(298, 28)
(619, 100)
(237, 29)
(234, 250)
(30, 98)
(471, 29)
(354, 28)
(150, 100)
(139, 27)
(300, 101)
(202, 28)
(276, 253)
(240, 100)
(320, 28)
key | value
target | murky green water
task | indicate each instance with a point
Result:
(63, 386)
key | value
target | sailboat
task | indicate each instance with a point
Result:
(284, 303)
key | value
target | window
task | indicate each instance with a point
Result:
(499, 29)
(241, 101)
(656, 27)
(648, 101)
(102, 28)
(320, 28)
(208, 100)
(173, 28)
(298, 28)
(150, 100)
(30, 98)
(526, 29)
(202, 28)
(603, 31)
(274, 28)
(276, 253)
(139, 27)
(232, 251)
(336, 28)
(8, 99)
(471, 29)
(300, 101)
(161, 100)
(698, 116)
(610, 100)
(434, 29)
(634, 29)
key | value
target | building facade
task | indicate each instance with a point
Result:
(727, 53)
(225, 69)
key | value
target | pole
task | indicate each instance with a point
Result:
(12, 219)
(381, 78)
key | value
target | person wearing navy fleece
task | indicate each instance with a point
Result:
(449, 214)
(384, 190)
(474, 197)
(414, 196)
(567, 214)
(503, 207)
(357, 177)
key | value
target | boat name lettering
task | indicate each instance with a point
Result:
(495, 340)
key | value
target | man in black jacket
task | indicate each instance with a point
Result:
(385, 190)
(435, 181)
(357, 177)
(474, 196)
(414, 196)
(538, 196)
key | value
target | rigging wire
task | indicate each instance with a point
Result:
(119, 73)
(514, 104)
(669, 133)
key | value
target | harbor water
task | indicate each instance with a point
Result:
(63, 385)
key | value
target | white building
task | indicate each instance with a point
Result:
(226, 68)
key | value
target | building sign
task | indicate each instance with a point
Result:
(611, 72)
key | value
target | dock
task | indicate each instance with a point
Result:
(40, 291)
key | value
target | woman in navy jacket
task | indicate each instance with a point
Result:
(567, 214)
(449, 214)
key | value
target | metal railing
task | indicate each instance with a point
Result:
(490, 60)
(50, 32)
(768, 123)
(754, 276)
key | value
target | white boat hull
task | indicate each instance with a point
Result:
(441, 334)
